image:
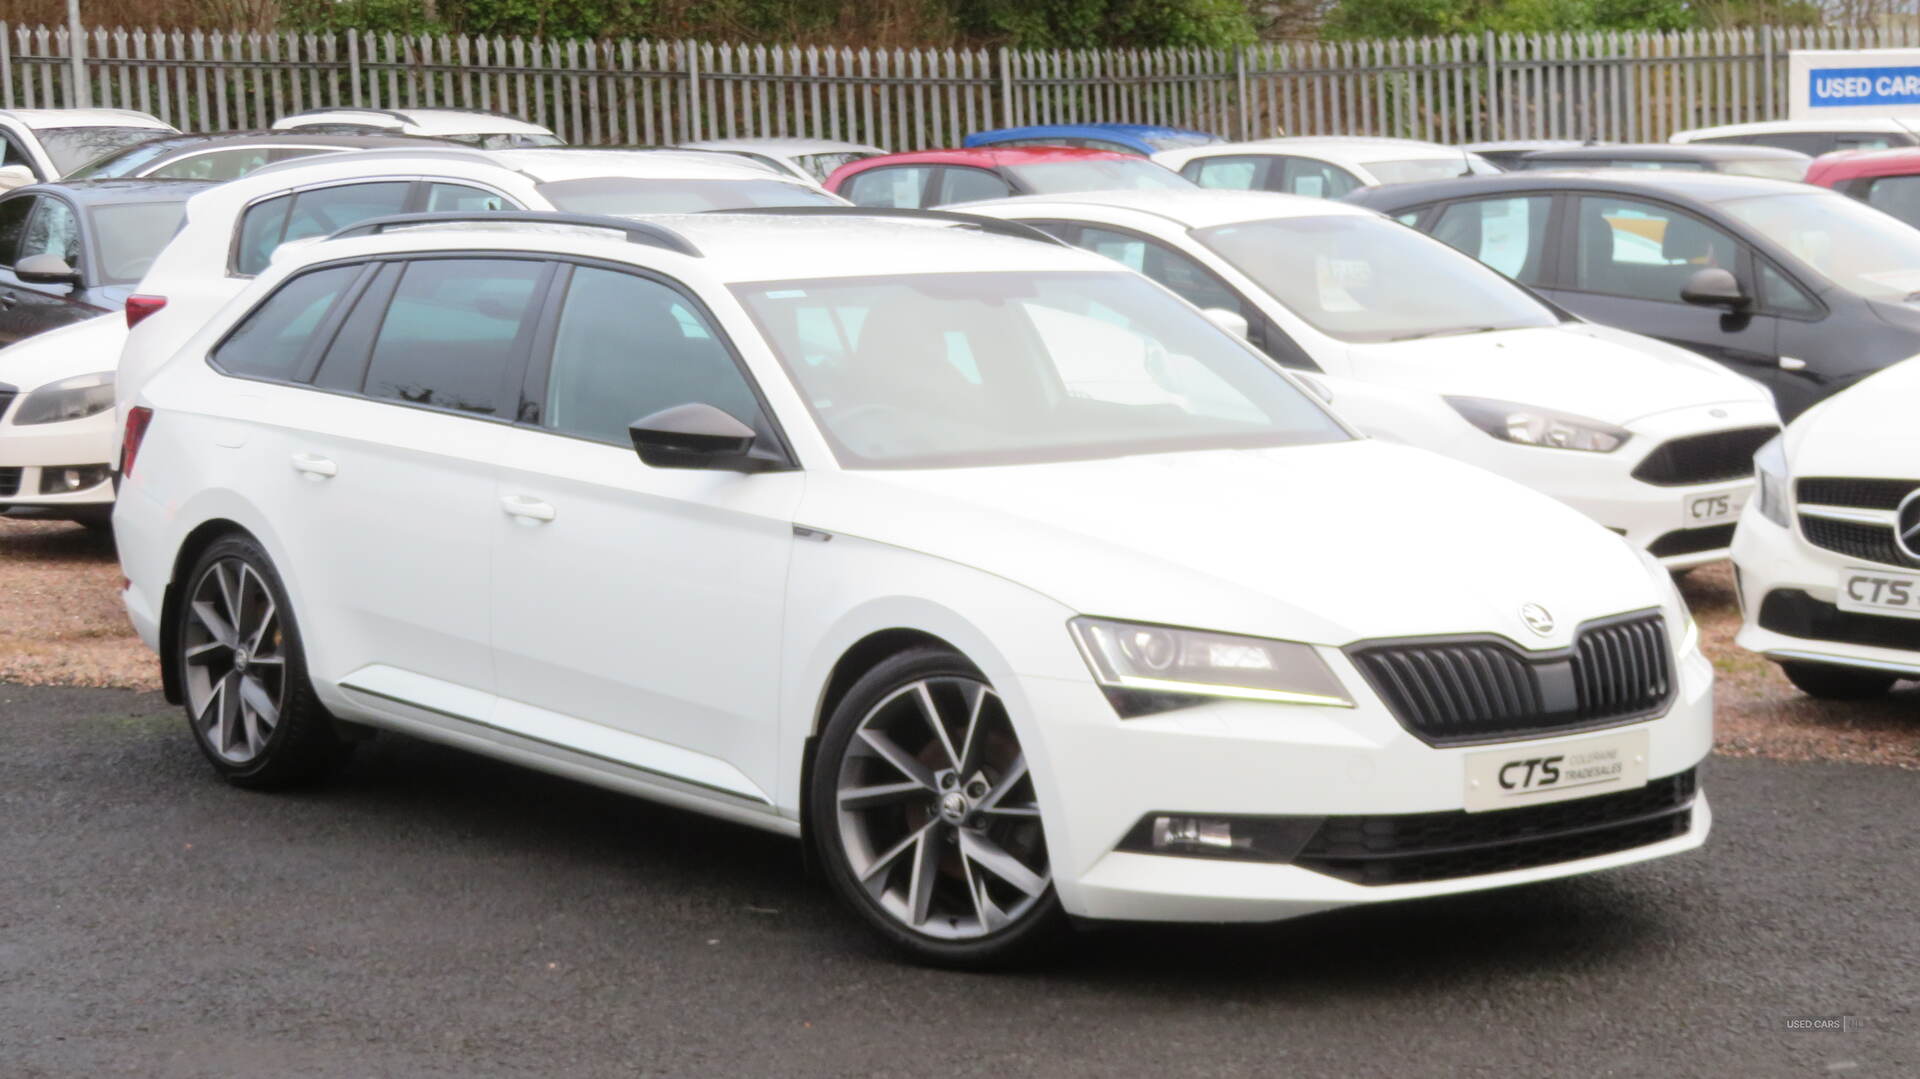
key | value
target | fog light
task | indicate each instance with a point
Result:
(1195, 834)
(1241, 839)
(66, 479)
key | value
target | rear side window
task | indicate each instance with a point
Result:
(1314, 179)
(319, 212)
(269, 342)
(971, 184)
(900, 186)
(455, 334)
(460, 197)
(1897, 195)
(1230, 173)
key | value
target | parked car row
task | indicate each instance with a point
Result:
(1107, 548)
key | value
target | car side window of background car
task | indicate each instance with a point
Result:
(1188, 279)
(270, 341)
(961, 183)
(1311, 178)
(319, 212)
(459, 197)
(626, 347)
(216, 165)
(54, 229)
(1781, 296)
(1507, 234)
(1240, 172)
(1642, 250)
(455, 334)
(899, 186)
(1897, 195)
(13, 225)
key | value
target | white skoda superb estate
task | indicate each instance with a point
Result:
(994, 571)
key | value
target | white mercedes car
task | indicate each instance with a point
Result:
(997, 573)
(1321, 166)
(1828, 556)
(1418, 343)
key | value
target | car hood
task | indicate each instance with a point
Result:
(1326, 543)
(1866, 430)
(1595, 371)
(79, 349)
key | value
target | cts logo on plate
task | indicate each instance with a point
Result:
(1537, 618)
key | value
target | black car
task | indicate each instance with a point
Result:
(72, 251)
(1764, 161)
(231, 156)
(1797, 287)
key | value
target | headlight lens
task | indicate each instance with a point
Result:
(73, 398)
(1529, 425)
(1146, 668)
(1770, 468)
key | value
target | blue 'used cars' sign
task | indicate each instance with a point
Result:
(1863, 86)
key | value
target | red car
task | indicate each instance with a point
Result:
(1884, 179)
(925, 178)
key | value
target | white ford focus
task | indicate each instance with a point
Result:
(1421, 344)
(1013, 585)
(1828, 555)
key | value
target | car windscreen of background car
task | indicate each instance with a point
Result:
(1768, 168)
(968, 369)
(1854, 245)
(1417, 170)
(1101, 174)
(71, 147)
(130, 234)
(1367, 279)
(124, 161)
(626, 195)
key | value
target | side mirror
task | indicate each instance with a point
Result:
(697, 436)
(13, 176)
(46, 270)
(1715, 287)
(1233, 322)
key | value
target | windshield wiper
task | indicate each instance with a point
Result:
(1458, 332)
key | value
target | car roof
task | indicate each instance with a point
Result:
(428, 121)
(1706, 187)
(781, 146)
(1500, 145)
(1354, 150)
(1852, 164)
(108, 192)
(991, 156)
(1667, 151)
(1773, 127)
(547, 164)
(1198, 208)
(757, 246)
(43, 118)
(1133, 133)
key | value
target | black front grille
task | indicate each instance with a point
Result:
(1854, 493)
(1708, 458)
(1453, 691)
(9, 482)
(1692, 541)
(1855, 539)
(1794, 613)
(1413, 847)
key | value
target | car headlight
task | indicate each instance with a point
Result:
(1146, 668)
(1770, 469)
(1530, 425)
(73, 398)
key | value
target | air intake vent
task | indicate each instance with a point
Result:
(1710, 458)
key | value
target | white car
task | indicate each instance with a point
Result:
(1418, 343)
(997, 573)
(809, 159)
(232, 231)
(1812, 136)
(1828, 555)
(57, 423)
(40, 145)
(476, 127)
(1320, 166)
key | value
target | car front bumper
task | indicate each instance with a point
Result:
(29, 453)
(1768, 560)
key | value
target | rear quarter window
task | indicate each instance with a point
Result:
(269, 342)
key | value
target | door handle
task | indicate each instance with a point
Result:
(530, 509)
(1791, 363)
(314, 467)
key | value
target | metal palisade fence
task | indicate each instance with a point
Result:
(1606, 85)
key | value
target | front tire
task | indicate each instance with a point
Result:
(237, 652)
(1833, 683)
(924, 815)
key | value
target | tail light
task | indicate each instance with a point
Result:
(137, 421)
(139, 307)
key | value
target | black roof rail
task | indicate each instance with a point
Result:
(637, 232)
(994, 225)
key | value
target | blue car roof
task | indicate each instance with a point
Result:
(1146, 138)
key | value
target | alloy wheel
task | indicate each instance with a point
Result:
(233, 669)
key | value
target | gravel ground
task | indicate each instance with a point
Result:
(62, 624)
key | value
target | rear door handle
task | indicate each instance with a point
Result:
(314, 467)
(531, 509)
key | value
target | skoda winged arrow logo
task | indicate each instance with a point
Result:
(1906, 525)
(1537, 618)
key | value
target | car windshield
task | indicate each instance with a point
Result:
(1852, 244)
(72, 147)
(821, 166)
(129, 235)
(1177, 140)
(125, 162)
(513, 141)
(1369, 279)
(1419, 169)
(966, 369)
(1099, 174)
(628, 195)
(1768, 168)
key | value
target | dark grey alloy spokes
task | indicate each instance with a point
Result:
(235, 675)
(937, 811)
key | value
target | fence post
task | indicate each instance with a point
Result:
(1492, 95)
(1007, 117)
(1240, 101)
(693, 89)
(353, 67)
(1766, 69)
